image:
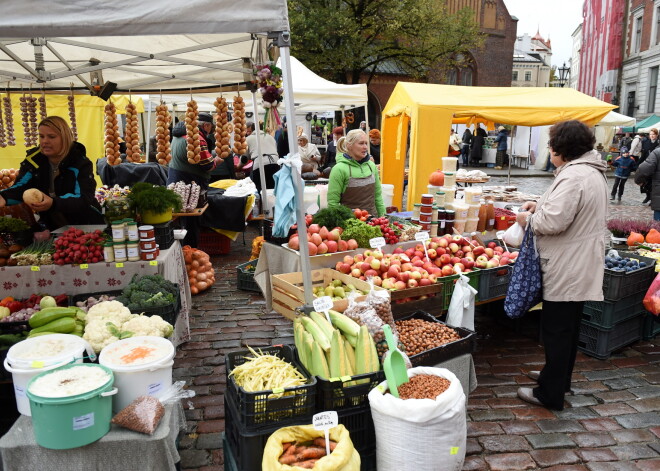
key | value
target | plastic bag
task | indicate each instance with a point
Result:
(144, 413)
(380, 301)
(407, 429)
(343, 458)
(364, 314)
(652, 297)
(461, 307)
(514, 235)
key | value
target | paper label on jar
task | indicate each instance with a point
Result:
(132, 234)
(120, 253)
(133, 252)
(118, 233)
(154, 388)
(491, 222)
(83, 421)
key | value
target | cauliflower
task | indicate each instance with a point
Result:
(146, 325)
(100, 333)
(109, 311)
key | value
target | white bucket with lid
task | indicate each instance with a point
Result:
(387, 192)
(142, 367)
(30, 357)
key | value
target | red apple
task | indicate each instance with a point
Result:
(447, 270)
(356, 273)
(459, 254)
(312, 248)
(358, 257)
(412, 283)
(400, 285)
(364, 266)
(404, 276)
(426, 281)
(342, 245)
(352, 244)
(443, 243)
(294, 243)
(348, 259)
(492, 245)
(454, 247)
(489, 252)
(314, 229)
(478, 251)
(323, 232)
(406, 266)
(432, 253)
(393, 271)
(322, 248)
(370, 272)
(377, 280)
(315, 239)
(332, 246)
(455, 260)
(445, 259)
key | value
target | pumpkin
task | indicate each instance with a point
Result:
(437, 178)
(201, 274)
(635, 238)
(653, 237)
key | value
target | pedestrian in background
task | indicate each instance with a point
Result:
(624, 165)
(501, 139)
(374, 145)
(465, 148)
(636, 148)
(649, 173)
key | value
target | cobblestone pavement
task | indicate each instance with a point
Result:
(611, 423)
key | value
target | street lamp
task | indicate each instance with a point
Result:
(564, 72)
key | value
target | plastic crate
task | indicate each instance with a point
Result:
(255, 409)
(245, 278)
(618, 285)
(467, 344)
(268, 233)
(448, 286)
(213, 243)
(339, 395)
(164, 234)
(494, 282)
(606, 314)
(600, 343)
(228, 455)
(651, 326)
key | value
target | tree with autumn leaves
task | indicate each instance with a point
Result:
(344, 40)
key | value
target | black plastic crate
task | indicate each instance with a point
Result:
(245, 278)
(340, 395)
(494, 282)
(256, 409)
(445, 352)
(617, 285)
(268, 233)
(228, 455)
(164, 234)
(450, 281)
(606, 314)
(601, 343)
(651, 326)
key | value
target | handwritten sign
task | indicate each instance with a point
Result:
(377, 242)
(323, 304)
(420, 236)
(325, 421)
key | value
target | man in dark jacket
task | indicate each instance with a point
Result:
(501, 139)
(649, 171)
(477, 143)
(465, 146)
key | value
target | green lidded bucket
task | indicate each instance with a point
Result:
(61, 423)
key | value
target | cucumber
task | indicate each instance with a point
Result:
(50, 314)
(63, 325)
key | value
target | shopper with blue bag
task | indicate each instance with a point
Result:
(567, 229)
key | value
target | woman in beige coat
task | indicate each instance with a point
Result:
(569, 222)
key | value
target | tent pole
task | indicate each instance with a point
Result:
(342, 119)
(262, 173)
(513, 137)
(366, 119)
(146, 139)
(284, 42)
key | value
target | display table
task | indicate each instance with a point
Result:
(120, 449)
(463, 367)
(21, 282)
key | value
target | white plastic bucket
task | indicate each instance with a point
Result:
(24, 366)
(311, 199)
(387, 192)
(142, 378)
(323, 195)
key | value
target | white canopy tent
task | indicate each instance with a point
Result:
(146, 47)
(607, 127)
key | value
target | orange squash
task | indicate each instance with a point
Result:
(635, 238)
(437, 178)
(653, 237)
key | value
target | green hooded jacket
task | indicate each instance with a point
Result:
(339, 180)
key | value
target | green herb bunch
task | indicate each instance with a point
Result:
(154, 198)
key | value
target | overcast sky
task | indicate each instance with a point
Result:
(556, 19)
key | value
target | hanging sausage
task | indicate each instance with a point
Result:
(9, 119)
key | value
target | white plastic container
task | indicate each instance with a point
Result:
(433, 189)
(30, 357)
(471, 224)
(450, 193)
(387, 192)
(472, 195)
(311, 199)
(142, 367)
(323, 195)
(450, 178)
(473, 211)
(449, 164)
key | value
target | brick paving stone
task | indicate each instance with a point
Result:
(481, 393)
(615, 408)
(612, 466)
(551, 457)
(194, 458)
(533, 413)
(588, 387)
(593, 365)
(550, 440)
(519, 427)
(505, 370)
(610, 374)
(491, 414)
(655, 431)
(632, 435)
(567, 467)
(629, 361)
(593, 439)
(656, 446)
(477, 429)
(600, 424)
(633, 452)
(625, 383)
(554, 426)
(504, 443)
(506, 391)
(475, 463)
(640, 420)
(209, 441)
(214, 412)
(581, 400)
(506, 403)
(472, 447)
(649, 465)
(490, 381)
(210, 426)
(577, 413)
(614, 396)
(653, 378)
(510, 462)
(646, 391)
(477, 404)
(523, 380)
(596, 454)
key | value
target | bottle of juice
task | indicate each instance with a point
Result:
(490, 216)
(481, 225)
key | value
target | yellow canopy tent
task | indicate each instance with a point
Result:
(430, 110)
(89, 122)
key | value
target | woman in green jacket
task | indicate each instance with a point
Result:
(354, 180)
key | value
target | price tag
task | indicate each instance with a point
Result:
(278, 390)
(37, 364)
(84, 266)
(454, 450)
(420, 236)
(35, 268)
(323, 304)
(119, 265)
(325, 421)
(377, 242)
(153, 263)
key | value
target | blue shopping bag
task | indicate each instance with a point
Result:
(526, 286)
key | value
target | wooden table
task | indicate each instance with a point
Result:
(469, 182)
(196, 212)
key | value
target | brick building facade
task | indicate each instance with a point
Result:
(490, 66)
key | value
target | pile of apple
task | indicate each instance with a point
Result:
(322, 241)
(447, 255)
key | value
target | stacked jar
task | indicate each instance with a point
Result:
(131, 232)
(449, 164)
(148, 248)
(118, 241)
(472, 217)
(442, 218)
(460, 220)
(450, 179)
(426, 212)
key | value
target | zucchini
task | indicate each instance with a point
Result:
(63, 325)
(39, 334)
(50, 314)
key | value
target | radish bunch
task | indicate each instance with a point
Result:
(75, 246)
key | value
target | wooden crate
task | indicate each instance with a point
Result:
(288, 292)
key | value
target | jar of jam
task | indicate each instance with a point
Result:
(442, 216)
(449, 221)
(146, 232)
(148, 244)
(148, 255)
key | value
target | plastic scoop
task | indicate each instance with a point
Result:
(394, 364)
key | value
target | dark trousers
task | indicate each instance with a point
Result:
(465, 154)
(619, 183)
(499, 158)
(560, 330)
